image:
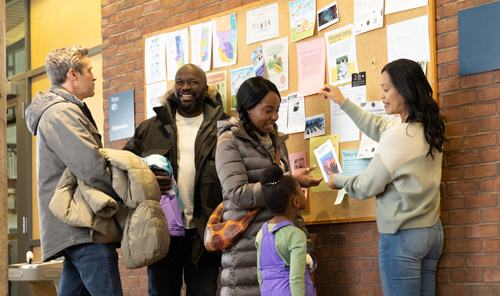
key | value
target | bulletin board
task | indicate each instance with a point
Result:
(371, 56)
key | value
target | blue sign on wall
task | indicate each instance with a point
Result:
(121, 115)
(479, 39)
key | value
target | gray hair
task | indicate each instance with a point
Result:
(60, 61)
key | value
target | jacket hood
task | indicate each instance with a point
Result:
(41, 102)
(232, 123)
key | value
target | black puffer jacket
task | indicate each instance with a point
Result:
(158, 135)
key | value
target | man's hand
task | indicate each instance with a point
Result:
(164, 182)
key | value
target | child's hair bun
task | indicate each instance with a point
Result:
(271, 175)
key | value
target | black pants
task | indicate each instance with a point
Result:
(165, 275)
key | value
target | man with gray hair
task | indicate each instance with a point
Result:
(67, 137)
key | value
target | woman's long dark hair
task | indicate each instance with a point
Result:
(410, 81)
(250, 93)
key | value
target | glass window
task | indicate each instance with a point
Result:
(15, 33)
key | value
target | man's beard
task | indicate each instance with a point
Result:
(189, 107)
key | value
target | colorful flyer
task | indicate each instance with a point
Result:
(177, 51)
(238, 76)
(258, 62)
(302, 19)
(276, 60)
(314, 143)
(263, 23)
(201, 45)
(218, 81)
(341, 55)
(328, 16)
(225, 40)
(328, 160)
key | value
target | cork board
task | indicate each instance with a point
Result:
(371, 50)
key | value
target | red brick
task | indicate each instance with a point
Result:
(451, 261)
(489, 94)
(479, 110)
(453, 8)
(160, 14)
(446, 25)
(172, 21)
(130, 282)
(452, 174)
(462, 128)
(359, 237)
(484, 289)
(210, 10)
(142, 21)
(460, 98)
(134, 34)
(358, 264)
(481, 201)
(153, 27)
(491, 215)
(180, 8)
(452, 203)
(345, 227)
(133, 12)
(457, 158)
(479, 171)
(117, 60)
(490, 154)
(107, 32)
(117, 18)
(453, 144)
(491, 245)
(230, 4)
(323, 252)
(362, 290)
(370, 278)
(454, 232)
(124, 4)
(166, 3)
(491, 275)
(450, 70)
(347, 278)
(455, 290)
(442, 276)
(482, 231)
(117, 39)
(472, 275)
(125, 26)
(490, 124)
(151, 6)
(477, 80)
(497, 75)
(370, 250)
(330, 265)
(345, 252)
(108, 10)
(190, 16)
(118, 80)
(490, 185)
(447, 85)
(450, 40)
(323, 278)
(478, 261)
(193, 4)
(464, 217)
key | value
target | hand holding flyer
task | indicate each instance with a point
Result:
(328, 160)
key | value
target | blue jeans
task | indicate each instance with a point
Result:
(408, 260)
(165, 275)
(90, 269)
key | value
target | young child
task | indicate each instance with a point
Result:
(281, 246)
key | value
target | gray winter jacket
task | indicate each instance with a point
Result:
(66, 138)
(140, 219)
(240, 161)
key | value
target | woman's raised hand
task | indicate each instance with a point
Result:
(333, 93)
(305, 179)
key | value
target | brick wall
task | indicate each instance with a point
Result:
(347, 253)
